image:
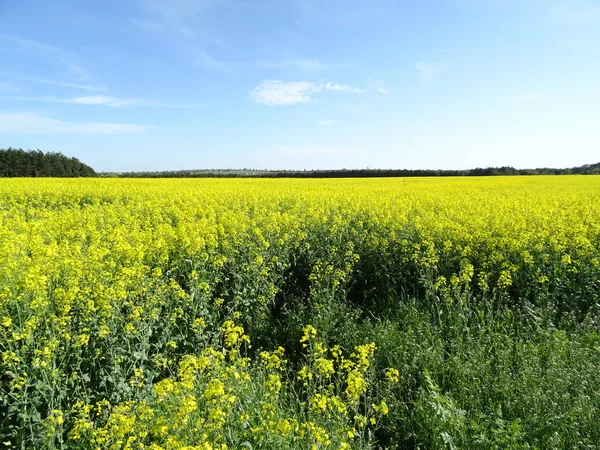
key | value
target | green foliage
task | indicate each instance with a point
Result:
(34, 163)
(587, 169)
(150, 314)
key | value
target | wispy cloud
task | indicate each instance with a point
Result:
(30, 122)
(102, 100)
(205, 61)
(326, 122)
(62, 56)
(148, 26)
(384, 91)
(77, 69)
(85, 87)
(8, 87)
(344, 13)
(179, 16)
(98, 100)
(22, 42)
(306, 65)
(173, 105)
(184, 21)
(339, 88)
(426, 70)
(277, 93)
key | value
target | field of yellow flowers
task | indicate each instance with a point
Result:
(450, 313)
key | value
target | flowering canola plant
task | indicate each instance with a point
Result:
(128, 308)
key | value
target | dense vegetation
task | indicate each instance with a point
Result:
(455, 313)
(588, 169)
(35, 163)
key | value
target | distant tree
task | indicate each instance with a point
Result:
(356, 173)
(35, 163)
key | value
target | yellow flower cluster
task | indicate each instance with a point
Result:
(126, 291)
(211, 404)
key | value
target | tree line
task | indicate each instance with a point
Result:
(588, 169)
(35, 163)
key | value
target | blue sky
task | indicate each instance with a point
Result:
(182, 84)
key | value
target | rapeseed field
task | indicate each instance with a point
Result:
(419, 313)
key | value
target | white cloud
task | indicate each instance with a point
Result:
(339, 88)
(28, 122)
(276, 92)
(326, 122)
(384, 91)
(426, 70)
(99, 100)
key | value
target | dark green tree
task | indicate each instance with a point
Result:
(35, 163)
